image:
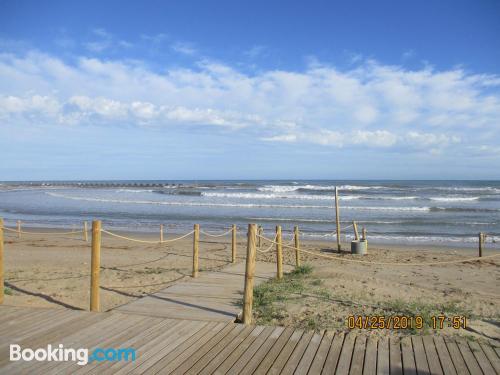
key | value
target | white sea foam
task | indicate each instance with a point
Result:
(405, 239)
(187, 203)
(287, 188)
(386, 208)
(454, 199)
(278, 196)
(465, 189)
(246, 205)
(276, 219)
(134, 191)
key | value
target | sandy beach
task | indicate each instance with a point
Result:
(53, 271)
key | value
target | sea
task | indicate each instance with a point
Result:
(393, 212)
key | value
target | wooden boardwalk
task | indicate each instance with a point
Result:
(213, 296)
(177, 346)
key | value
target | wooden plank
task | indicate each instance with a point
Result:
(267, 346)
(395, 356)
(309, 354)
(432, 356)
(260, 341)
(481, 358)
(346, 354)
(266, 362)
(383, 356)
(322, 353)
(409, 366)
(167, 346)
(370, 365)
(36, 325)
(97, 340)
(358, 356)
(456, 357)
(76, 340)
(153, 348)
(188, 346)
(333, 355)
(214, 362)
(189, 362)
(55, 335)
(298, 353)
(213, 296)
(89, 339)
(8, 313)
(420, 356)
(173, 360)
(468, 357)
(32, 328)
(215, 350)
(145, 342)
(444, 356)
(119, 341)
(287, 350)
(155, 329)
(233, 357)
(492, 356)
(16, 327)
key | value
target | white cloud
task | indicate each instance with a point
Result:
(184, 48)
(370, 105)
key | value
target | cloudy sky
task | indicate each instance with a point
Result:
(233, 90)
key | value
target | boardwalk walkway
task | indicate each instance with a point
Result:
(189, 328)
(176, 346)
(213, 296)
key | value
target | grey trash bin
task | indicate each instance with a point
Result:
(359, 247)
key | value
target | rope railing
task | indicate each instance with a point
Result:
(292, 245)
(385, 263)
(44, 233)
(216, 235)
(146, 241)
(272, 243)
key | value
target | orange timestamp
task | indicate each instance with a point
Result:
(404, 322)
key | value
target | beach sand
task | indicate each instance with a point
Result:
(53, 271)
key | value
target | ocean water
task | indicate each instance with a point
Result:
(416, 212)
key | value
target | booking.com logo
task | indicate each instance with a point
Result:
(80, 356)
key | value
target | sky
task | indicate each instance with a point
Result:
(249, 90)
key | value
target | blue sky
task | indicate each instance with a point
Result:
(242, 90)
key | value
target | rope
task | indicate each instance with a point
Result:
(44, 233)
(216, 235)
(389, 263)
(271, 246)
(145, 241)
(400, 264)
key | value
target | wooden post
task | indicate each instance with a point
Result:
(233, 244)
(19, 229)
(2, 286)
(337, 217)
(365, 239)
(297, 245)
(259, 240)
(481, 239)
(356, 234)
(196, 240)
(161, 233)
(279, 253)
(95, 266)
(85, 234)
(249, 272)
